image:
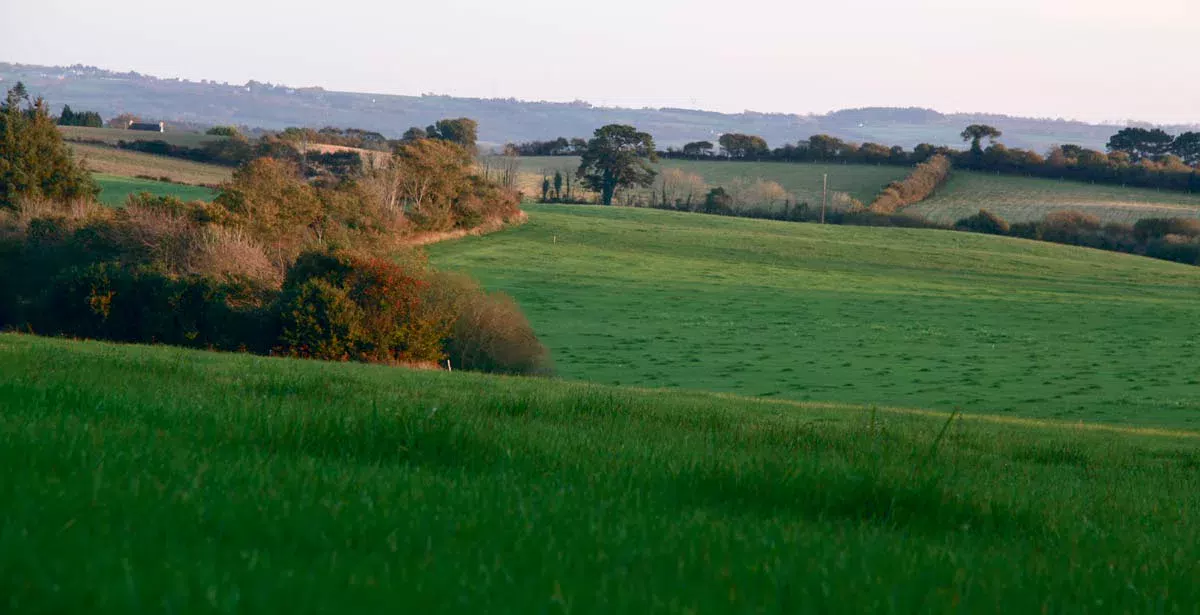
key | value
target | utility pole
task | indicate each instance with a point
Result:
(824, 192)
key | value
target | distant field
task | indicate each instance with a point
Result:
(112, 161)
(112, 135)
(1014, 198)
(137, 479)
(1021, 199)
(862, 182)
(115, 189)
(918, 318)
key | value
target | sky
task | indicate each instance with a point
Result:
(1093, 60)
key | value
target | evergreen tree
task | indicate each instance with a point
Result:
(34, 160)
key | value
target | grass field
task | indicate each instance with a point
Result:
(1016, 199)
(157, 479)
(862, 182)
(112, 136)
(115, 189)
(112, 161)
(931, 319)
(1019, 199)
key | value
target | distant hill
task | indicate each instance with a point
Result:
(264, 105)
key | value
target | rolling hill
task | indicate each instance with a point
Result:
(265, 105)
(918, 318)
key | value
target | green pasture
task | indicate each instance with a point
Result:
(154, 479)
(115, 189)
(898, 317)
(803, 180)
(1022, 199)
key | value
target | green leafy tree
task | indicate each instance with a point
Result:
(1187, 147)
(558, 184)
(824, 146)
(223, 131)
(618, 156)
(742, 146)
(1141, 143)
(698, 148)
(416, 133)
(463, 131)
(34, 160)
(976, 133)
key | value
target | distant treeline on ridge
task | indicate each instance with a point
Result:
(1139, 157)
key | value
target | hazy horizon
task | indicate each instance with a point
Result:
(1090, 61)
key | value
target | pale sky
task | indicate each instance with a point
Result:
(1096, 60)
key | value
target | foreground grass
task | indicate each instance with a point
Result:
(112, 161)
(114, 189)
(157, 479)
(1021, 199)
(931, 319)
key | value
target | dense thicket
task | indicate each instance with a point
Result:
(89, 119)
(1173, 239)
(278, 263)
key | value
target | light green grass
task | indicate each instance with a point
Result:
(138, 479)
(1022, 199)
(860, 181)
(115, 189)
(112, 136)
(933, 319)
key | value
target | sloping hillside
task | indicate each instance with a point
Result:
(933, 319)
(1020, 199)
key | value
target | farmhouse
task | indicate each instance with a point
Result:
(147, 126)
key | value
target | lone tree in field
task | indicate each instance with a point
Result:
(618, 156)
(34, 161)
(978, 132)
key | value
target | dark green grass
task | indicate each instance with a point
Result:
(138, 479)
(931, 319)
(114, 189)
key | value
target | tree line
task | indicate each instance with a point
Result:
(1145, 158)
(89, 119)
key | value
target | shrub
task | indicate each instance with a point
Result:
(983, 222)
(343, 306)
(134, 304)
(318, 320)
(489, 332)
(1157, 228)
(1071, 227)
